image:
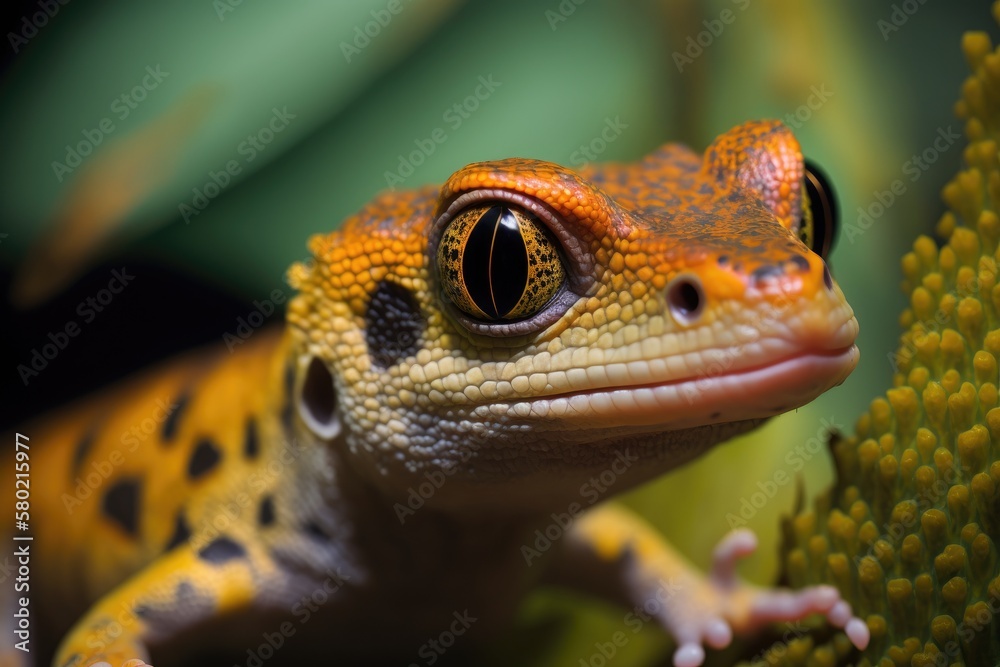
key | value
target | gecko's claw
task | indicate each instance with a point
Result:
(689, 655)
(710, 610)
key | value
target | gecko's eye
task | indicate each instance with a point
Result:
(818, 229)
(499, 263)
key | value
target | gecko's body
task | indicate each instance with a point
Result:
(459, 365)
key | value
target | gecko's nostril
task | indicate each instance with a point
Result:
(686, 298)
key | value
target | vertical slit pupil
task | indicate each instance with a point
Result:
(509, 274)
(495, 262)
(476, 261)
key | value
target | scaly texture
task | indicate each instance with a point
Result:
(395, 458)
(908, 532)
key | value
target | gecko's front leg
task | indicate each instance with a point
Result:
(613, 553)
(178, 592)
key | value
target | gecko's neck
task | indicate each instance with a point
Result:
(347, 518)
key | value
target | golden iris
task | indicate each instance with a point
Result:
(498, 262)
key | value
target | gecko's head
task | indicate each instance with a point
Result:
(531, 323)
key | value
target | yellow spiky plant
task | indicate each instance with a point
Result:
(909, 530)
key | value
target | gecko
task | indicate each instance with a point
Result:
(463, 370)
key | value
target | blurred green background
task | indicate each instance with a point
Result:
(310, 105)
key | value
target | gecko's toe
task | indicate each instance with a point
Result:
(689, 655)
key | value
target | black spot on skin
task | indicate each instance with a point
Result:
(173, 418)
(800, 261)
(765, 272)
(314, 530)
(182, 533)
(184, 590)
(723, 260)
(205, 456)
(221, 550)
(121, 505)
(393, 325)
(715, 415)
(184, 602)
(266, 515)
(251, 445)
(83, 448)
(73, 660)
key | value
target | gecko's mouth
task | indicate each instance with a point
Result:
(749, 393)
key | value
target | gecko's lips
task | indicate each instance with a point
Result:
(750, 393)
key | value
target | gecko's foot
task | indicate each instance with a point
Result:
(709, 610)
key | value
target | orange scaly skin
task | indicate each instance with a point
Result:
(280, 491)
